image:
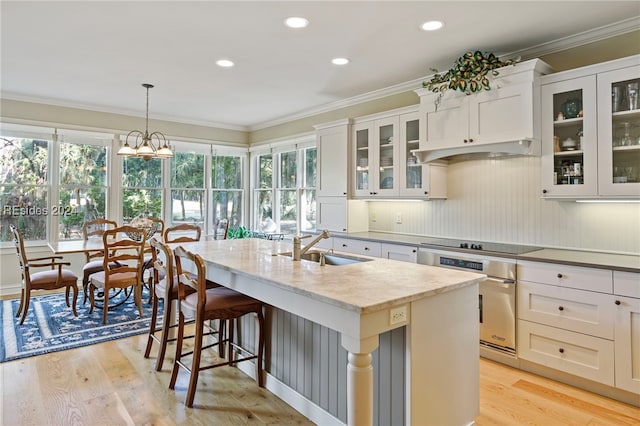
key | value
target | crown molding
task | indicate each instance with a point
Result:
(576, 40)
(10, 96)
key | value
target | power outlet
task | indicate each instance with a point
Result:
(398, 217)
(398, 315)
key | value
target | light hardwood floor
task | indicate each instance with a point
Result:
(112, 384)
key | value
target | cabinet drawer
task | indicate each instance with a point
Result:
(400, 252)
(582, 311)
(367, 248)
(626, 284)
(574, 353)
(567, 276)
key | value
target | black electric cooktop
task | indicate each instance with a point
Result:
(480, 246)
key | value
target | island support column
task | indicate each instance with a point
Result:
(359, 379)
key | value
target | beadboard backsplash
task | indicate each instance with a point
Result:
(499, 199)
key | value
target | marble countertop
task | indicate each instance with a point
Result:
(361, 287)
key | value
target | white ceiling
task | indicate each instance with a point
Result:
(96, 54)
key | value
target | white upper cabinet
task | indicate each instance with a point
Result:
(503, 114)
(619, 132)
(591, 131)
(383, 165)
(332, 142)
(376, 154)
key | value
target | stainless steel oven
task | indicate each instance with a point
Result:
(497, 294)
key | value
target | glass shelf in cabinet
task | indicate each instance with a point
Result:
(568, 122)
(575, 152)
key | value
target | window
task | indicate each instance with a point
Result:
(308, 190)
(227, 190)
(284, 191)
(264, 194)
(24, 187)
(83, 187)
(188, 195)
(141, 188)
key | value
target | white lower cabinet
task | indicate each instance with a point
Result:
(574, 353)
(364, 247)
(581, 321)
(627, 330)
(400, 252)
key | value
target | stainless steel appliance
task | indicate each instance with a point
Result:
(497, 294)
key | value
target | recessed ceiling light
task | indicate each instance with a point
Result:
(224, 63)
(296, 22)
(339, 61)
(432, 25)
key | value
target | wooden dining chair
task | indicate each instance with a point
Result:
(204, 305)
(56, 277)
(128, 252)
(94, 259)
(182, 233)
(165, 289)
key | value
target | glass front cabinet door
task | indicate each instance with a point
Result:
(362, 137)
(591, 131)
(569, 138)
(413, 176)
(619, 132)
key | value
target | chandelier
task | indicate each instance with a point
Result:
(144, 145)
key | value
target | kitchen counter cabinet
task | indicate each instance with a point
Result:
(361, 301)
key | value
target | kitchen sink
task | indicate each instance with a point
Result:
(329, 258)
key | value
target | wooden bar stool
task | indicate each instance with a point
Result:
(219, 303)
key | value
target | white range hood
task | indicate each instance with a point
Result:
(517, 147)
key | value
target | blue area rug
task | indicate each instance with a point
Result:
(50, 325)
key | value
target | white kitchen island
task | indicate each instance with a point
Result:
(438, 306)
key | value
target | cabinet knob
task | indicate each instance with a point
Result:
(470, 140)
(344, 193)
(544, 191)
(344, 245)
(466, 141)
(366, 248)
(617, 302)
(426, 192)
(414, 250)
(559, 275)
(561, 350)
(561, 308)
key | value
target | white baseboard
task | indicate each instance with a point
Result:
(10, 290)
(301, 404)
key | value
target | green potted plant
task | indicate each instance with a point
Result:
(468, 75)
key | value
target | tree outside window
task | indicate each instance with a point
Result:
(187, 189)
(264, 195)
(142, 188)
(227, 191)
(83, 187)
(24, 187)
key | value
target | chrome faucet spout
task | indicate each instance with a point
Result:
(298, 251)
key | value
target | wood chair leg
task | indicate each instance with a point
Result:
(230, 336)
(92, 297)
(164, 338)
(75, 300)
(137, 296)
(178, 356)
(67, 289)
(105, 305)
(22, 291)
(260, 352)
(195, 365)
(26, 306)
(152, 326)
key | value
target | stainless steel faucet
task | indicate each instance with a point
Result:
(298, 251)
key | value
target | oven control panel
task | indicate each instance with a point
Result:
(460, 263)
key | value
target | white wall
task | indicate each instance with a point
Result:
(500, 200)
